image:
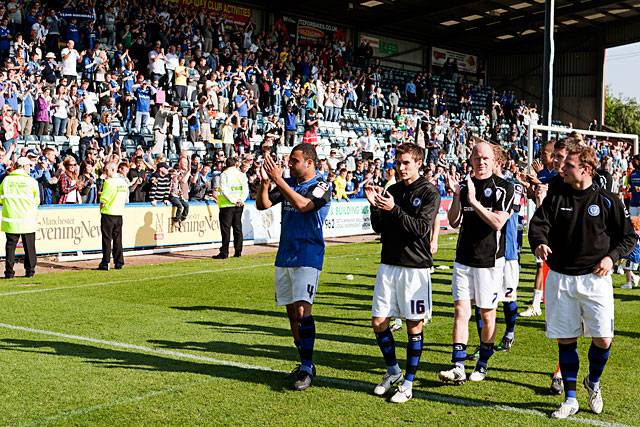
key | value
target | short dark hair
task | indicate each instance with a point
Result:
(414, 150)
(308, 151)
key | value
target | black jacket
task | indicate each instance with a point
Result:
(581, 228)
(406, 229)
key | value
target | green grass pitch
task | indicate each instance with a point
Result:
(201, 342)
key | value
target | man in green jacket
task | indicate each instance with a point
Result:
(20, 197)
(115, 193)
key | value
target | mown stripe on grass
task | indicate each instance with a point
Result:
(166, 276)
(329, 380)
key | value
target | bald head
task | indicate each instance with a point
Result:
(483, 160)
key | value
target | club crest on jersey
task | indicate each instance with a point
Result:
(416, 202)
(593, 210)
(488, 192)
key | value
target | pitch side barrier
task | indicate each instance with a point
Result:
(74, 230)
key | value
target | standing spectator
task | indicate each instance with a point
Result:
(87, 180)
(311, 129)
(143, 96)
(68, 182)
(10, 127)
(226, 133)
(115, 193)
(234, 190)
(394, 100)
(87, 133)
(290, 125)
(59, 105)
(20, 198)
(70, 59)
(181, 75)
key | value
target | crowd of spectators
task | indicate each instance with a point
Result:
(174, 79)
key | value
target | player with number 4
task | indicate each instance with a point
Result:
(305, 200)
(404, 214)
(481, 206)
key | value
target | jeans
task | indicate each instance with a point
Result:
(182, 208)
(141, 121)
(59, 126)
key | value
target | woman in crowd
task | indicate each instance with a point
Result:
(10, 127)
(73, 111)
(68, 185)
(87, 181)
(105, 132)
(59, 107)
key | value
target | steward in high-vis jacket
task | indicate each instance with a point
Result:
(234, 190)
(20, 197)
(115, 193)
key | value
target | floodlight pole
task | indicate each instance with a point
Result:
(547, 65)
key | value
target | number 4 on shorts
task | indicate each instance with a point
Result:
(310, 290)
(417, 306)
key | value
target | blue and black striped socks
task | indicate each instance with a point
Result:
(569, 366)
(414, 351)
(597, 360)
(307, 332)
(388, 347)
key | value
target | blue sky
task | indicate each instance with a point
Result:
(621, 68)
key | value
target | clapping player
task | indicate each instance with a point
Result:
(305, 199)
(404, 214)
(481, 206)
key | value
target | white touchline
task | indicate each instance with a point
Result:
(329, 380)
(166, 276)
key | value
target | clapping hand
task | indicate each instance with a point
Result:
(471, 190)
(537, 165)
(384, 200)
(454, 183)
(371, 191)
(271, 168)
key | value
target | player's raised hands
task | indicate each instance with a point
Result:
(271, 168)
(471, 189)
(370, 192)
(263, 173)
(385, 201)
(454, 183)
(542, 252)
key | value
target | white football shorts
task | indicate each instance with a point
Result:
(483, 285)
(579, 306)
(510, 280)
(295, 284)
(402, 292)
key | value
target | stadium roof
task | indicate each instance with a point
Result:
(482, 24)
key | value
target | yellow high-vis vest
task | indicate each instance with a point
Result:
(20, 197)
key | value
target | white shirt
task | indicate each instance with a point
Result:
(69, 64)
(172, 61)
